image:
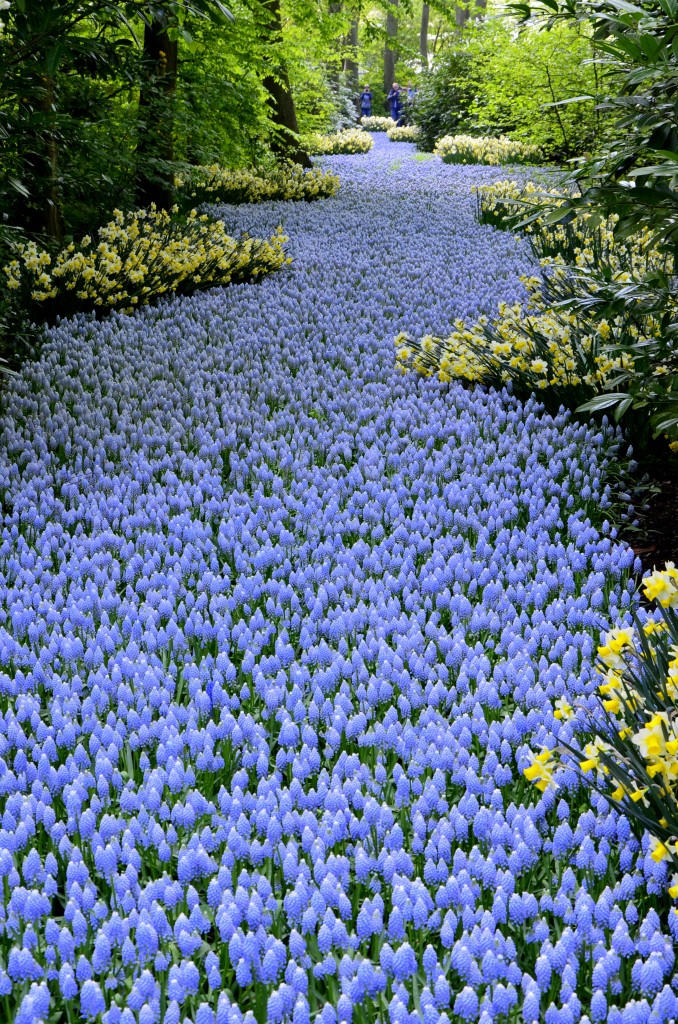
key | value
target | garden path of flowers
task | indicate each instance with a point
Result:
(279, 627)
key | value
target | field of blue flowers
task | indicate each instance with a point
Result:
(279, 627)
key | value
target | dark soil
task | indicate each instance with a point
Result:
(655, 538)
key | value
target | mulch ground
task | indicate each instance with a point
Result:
(655, 538)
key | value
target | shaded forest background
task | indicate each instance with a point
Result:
(102, 104)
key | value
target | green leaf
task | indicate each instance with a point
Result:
(573, 99)
(623, 406)
(600, 402)
(666, 424)
(660, 170)
(668, 154)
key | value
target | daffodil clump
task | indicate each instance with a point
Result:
(587, 244)
(287, 181)
(377, 124)
(136, 258)
(540, 344)
(403, 133)
(500, 203)
(466, 149)
(535, 347)
(351, 141)
(631, 753)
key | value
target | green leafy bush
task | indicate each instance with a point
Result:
(444, 98)
(635, 175)
(500, 81)
(524, 85)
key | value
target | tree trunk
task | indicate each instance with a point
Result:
(423, 34)
(41, 214)
(155, 142)
(53, 224)
(462, 14)
(335, 65)
(351, 69)
(389, 52)
(285, 141)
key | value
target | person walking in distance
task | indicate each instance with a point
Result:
(411, 94)
(395, 102)
(366, 102)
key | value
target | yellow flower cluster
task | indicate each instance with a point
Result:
(403, 133)
(662, 587)
(377, 124)
(285, 181)
(352, 140)
(466, 149)
(137, 257)
(538, 345)
(587, 245)
(535, 345)
(637, 762)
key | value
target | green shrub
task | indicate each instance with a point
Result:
(444, 98)
(523, 83)
(497, 80)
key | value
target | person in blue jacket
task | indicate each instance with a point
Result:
(366, 102)
(395, 102)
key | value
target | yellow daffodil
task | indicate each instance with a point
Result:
(662, 586)
(593, 753)
(617, 641)
(540, 772)
(659, 851)
(651, 740)
(564, 710)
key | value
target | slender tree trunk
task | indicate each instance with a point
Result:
(566, 141)
(437, 37)
(38, 127)
(463, 14)
(286, 139)
(335, 65)
(351, 69)
(155, 142)
(42, 213)
(423, 34)
(54, 223)
(389, 51)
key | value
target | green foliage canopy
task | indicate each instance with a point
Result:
(496, 79)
